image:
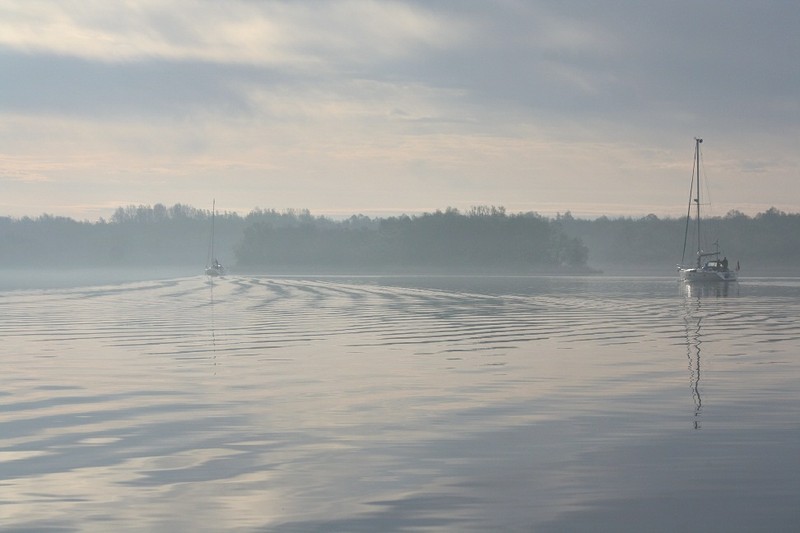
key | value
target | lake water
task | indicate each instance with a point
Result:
(401, 404)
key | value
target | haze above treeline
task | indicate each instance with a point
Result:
(483, 239)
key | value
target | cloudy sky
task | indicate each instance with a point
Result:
(385, 107)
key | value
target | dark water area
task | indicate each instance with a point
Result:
(447, 403)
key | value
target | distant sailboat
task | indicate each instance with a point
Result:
(214, 268)
(709, 267)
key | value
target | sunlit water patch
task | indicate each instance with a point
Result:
(383, 404)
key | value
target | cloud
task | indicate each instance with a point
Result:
(369, 102)
(300, 33)
(173, 58)
(626, 62)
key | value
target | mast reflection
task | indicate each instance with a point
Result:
(694, 295)
(213, 329)
(706, 290)
(693, 319)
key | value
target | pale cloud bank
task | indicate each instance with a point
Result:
(382, 107)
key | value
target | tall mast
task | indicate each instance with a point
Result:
(697, 142)
(213, 214)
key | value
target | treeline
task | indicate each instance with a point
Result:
(481, 239)
(766, 243)
(484, 238)
(133, 237)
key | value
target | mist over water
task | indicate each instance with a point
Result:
(59, 278)
(397, 403)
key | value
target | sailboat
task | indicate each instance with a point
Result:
(709, 267)
(215, 268)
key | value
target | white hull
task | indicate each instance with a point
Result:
(215, 271)
(694, 275)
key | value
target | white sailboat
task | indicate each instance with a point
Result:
(709, 267)
(214, 268)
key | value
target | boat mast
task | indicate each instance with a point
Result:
(697, 142)
(213, 214)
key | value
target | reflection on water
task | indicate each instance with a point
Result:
(710, 289)
(693, 319)
(385, 404)
(212, 325)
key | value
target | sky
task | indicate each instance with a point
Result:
(389, 107)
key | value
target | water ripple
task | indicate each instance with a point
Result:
(265, 403)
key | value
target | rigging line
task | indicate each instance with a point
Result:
(709, 205)
(711, 225)
(697, 141)
(210, 256)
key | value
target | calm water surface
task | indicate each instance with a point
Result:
(399, 404)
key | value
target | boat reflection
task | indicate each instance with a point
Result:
(710, 289)
(210, 283)
(693, 319)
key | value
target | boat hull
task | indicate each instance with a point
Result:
(694, 275)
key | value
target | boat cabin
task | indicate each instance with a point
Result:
(716, 265)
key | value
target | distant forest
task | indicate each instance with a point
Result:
(765, 244)
(482, 239)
